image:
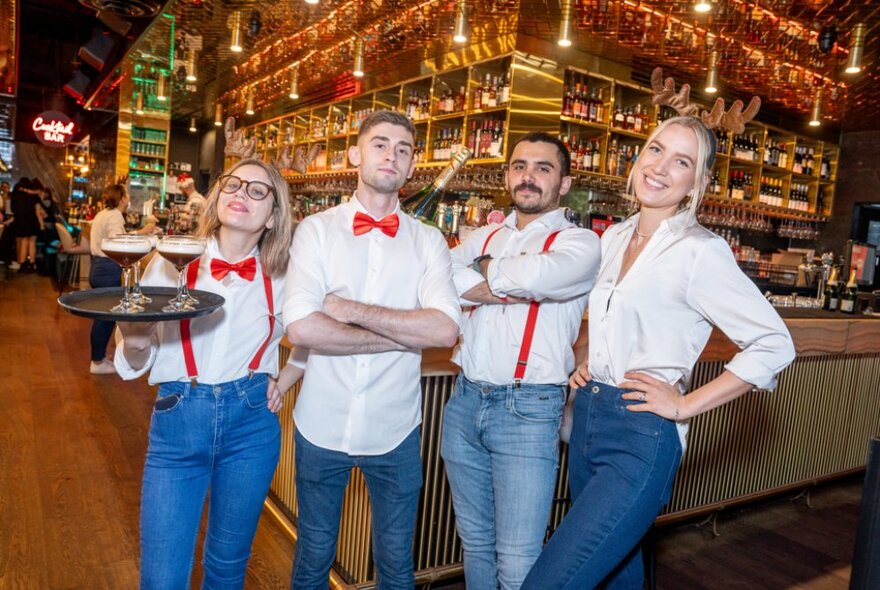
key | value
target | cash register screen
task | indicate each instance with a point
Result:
(862, 258)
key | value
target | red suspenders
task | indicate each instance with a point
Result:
(189, 359)
(531, 319)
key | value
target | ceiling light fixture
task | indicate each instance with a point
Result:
(191, 75)
(192, 125)
(139, 104)
(856, 49)
(235, 25)
(702, 6)
(459, 35)
(218, 115)
(712, 76)
(358, 69)
(160, 88)
(816, 117)
(312, 1)
(565, 25)
(294, 83)
(249, 109)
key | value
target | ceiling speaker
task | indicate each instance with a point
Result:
(77, 85)
(96, 51)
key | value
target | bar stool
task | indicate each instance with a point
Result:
(73, 253)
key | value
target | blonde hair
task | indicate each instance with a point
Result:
(703, 166)
(275, 241)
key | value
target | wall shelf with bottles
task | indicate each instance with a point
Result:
(605, 121)
(149, 150)
(466, 105)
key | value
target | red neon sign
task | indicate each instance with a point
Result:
(53, 128)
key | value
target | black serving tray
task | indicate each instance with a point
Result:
(96, 304)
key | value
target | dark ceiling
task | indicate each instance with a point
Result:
(52, 31)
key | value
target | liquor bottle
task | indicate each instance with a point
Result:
(832, 292)
(850, 294)
(423, 203)
(567, 103)
(441, 218)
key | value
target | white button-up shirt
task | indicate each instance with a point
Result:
(560, 280)
(106, 224)
(364, 404)
(658, 319)
(224, 342)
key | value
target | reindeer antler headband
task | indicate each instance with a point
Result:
(734, 119)
(239, 147)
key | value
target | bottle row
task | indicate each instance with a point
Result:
(147, 149)
(148, 134)
(842, 298)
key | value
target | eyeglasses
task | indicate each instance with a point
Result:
(255, 189)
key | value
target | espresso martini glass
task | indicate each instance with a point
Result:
(126, 251)
(181, 251)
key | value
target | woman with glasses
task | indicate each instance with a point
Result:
(214, 428)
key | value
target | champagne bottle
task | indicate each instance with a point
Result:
(848, 299)
(832, 293)
(452, 235)
(423, 203)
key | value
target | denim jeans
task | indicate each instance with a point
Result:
(103, 273)
(394, 481)
(622, 466)
(220, 438)
(501, 450)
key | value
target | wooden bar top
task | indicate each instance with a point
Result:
(814, 331)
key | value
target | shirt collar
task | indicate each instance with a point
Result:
(552, 220)
(356, 206)
(676, 224)
(212, 249)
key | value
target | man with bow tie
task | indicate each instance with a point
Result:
(369, 288)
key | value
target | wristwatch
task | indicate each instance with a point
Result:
(476, 263)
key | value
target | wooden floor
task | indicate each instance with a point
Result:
(72, 446)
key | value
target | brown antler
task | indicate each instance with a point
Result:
(664, 94)
(300, 160)
(734, 119)
(236, 145)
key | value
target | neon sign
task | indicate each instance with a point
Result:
(53, 128)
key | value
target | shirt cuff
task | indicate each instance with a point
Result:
(298, 357)
(294, 312)
(465, 280)
(125, 371)
(495, 278)
(752, 371)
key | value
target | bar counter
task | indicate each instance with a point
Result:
(815, 426)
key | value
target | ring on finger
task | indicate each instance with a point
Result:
(642, 397)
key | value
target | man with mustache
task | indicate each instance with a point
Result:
(528, 280)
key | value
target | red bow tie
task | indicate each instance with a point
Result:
(363, 223)
(246, 269)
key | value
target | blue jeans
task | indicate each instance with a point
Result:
(501, 450)
(622, 466)
(103, 273)
(220, 437)
(394, 481)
